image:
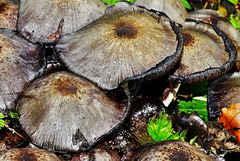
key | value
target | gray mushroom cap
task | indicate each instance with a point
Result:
(207, 54)
(127, 43)
(168, 151)
(64, 112)
(39, 20)
(20, 63)
(174, 9)
(215, 18)
(223, 92)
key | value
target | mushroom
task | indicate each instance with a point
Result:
(64, 112)
(45, 20)
(127, 43)
(168, 150)
(97, 154)
(25, 154)
(207, 54)
(20, 63)
(8, 14)
(215, 18)
(173, 8)
(223, 92)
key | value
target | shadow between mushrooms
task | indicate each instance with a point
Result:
(20, 63)
(64, 112)
(207, 54)
(45, 20)
(127, 43)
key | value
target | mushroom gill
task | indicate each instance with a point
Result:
(127, 43)
(64, 112)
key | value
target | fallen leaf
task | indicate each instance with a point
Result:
(230, 117)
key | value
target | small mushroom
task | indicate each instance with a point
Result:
(125, 44)
(20, 63)
(174, 9)
(8, 14)
(64, 112)
(207, 54)
(223, 92)
(27, 154)
(45, 20)
(215, 18)
(171, 150)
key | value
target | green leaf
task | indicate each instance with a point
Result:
(193, 140)
(2, 116)
(2, 123)
(113, 2)
(198, 104)
(233, 1)
(235, 20)
(161, 129)
(186, 4)
(14, 115)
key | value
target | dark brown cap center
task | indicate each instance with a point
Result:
(66, 87)
(126, 30)
(2, 7)
(188, 39)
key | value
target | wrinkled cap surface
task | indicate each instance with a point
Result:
(8, 14)
(223, 92)
(173, 8)
(170, 150)
(43, 20)
(20, 63)
(127, 43)
(64, 112)
(207, 54)
(27, 154)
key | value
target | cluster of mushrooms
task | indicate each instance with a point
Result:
(100, 52)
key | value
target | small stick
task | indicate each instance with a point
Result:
(169, 94)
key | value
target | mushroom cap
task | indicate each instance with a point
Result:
(64, 112)
(207, 54)
(25, 154)
(97, 154)
(173, 8)
(20, 63)
(223, 92)
(127, 43)
(8, 14)
(215, 18)
(168, 151)
(39, 20)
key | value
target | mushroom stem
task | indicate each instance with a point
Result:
(169, 95)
